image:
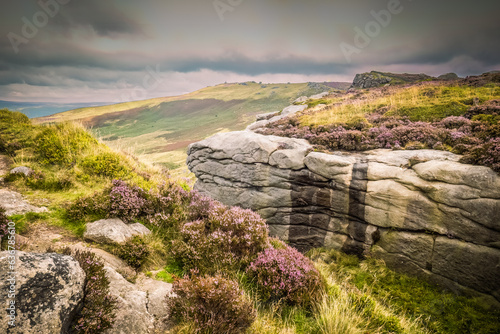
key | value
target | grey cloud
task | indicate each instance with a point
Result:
(106, 18)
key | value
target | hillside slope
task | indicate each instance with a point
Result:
(160, 129)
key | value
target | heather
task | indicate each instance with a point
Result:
(134, 252)
(227, 238)
(471, 131)
(285, 274)
(212, 305)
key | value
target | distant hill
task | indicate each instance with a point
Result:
(160, 129)
(41, 109)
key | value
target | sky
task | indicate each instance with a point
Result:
(71, 51)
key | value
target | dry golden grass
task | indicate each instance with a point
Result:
(420, 102)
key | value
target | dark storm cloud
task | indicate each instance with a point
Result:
(104, 45)
(245, 65)
(105, 18)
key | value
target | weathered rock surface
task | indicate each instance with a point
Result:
(141, 307)
(266, 116)
(422, 211)
(264, 119)
(301, 99)
(26, 171)
(49, 288)
(319, 96)
(13, 203)
(113, 230)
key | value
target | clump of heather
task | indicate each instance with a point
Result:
(165, 206)
(225, 238)
(98, 311)
(126, 202)
(285, 274)
(211, 304)
(485, 154)
(135, 252)
(162, 207)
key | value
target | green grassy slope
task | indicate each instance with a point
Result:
(160, 129)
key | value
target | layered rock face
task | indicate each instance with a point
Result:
(421, 211)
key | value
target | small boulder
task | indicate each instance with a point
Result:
(48, 289)
(319, 96)
(292, 110)
(14, 204)
(26, 171)
(113, 231)
(300, 99)
(266, 116)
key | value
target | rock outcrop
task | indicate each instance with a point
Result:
(48, 290)
(377, 79)
(423, 212)
(113, 231)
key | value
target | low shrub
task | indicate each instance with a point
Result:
(285, 274)
(126, 202)
(485, 154)
(277, 243)
(107, 164)
(213, 304)
(51, 149)
(134, 252)
(98, 311)
(225, 239)
(62, 144)
(94, 207)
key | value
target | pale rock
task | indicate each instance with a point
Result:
(49, 288)
(301, 99)
(293, 109)
(26, 171)
(14, 204)
(319, 96)
(113, 231)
